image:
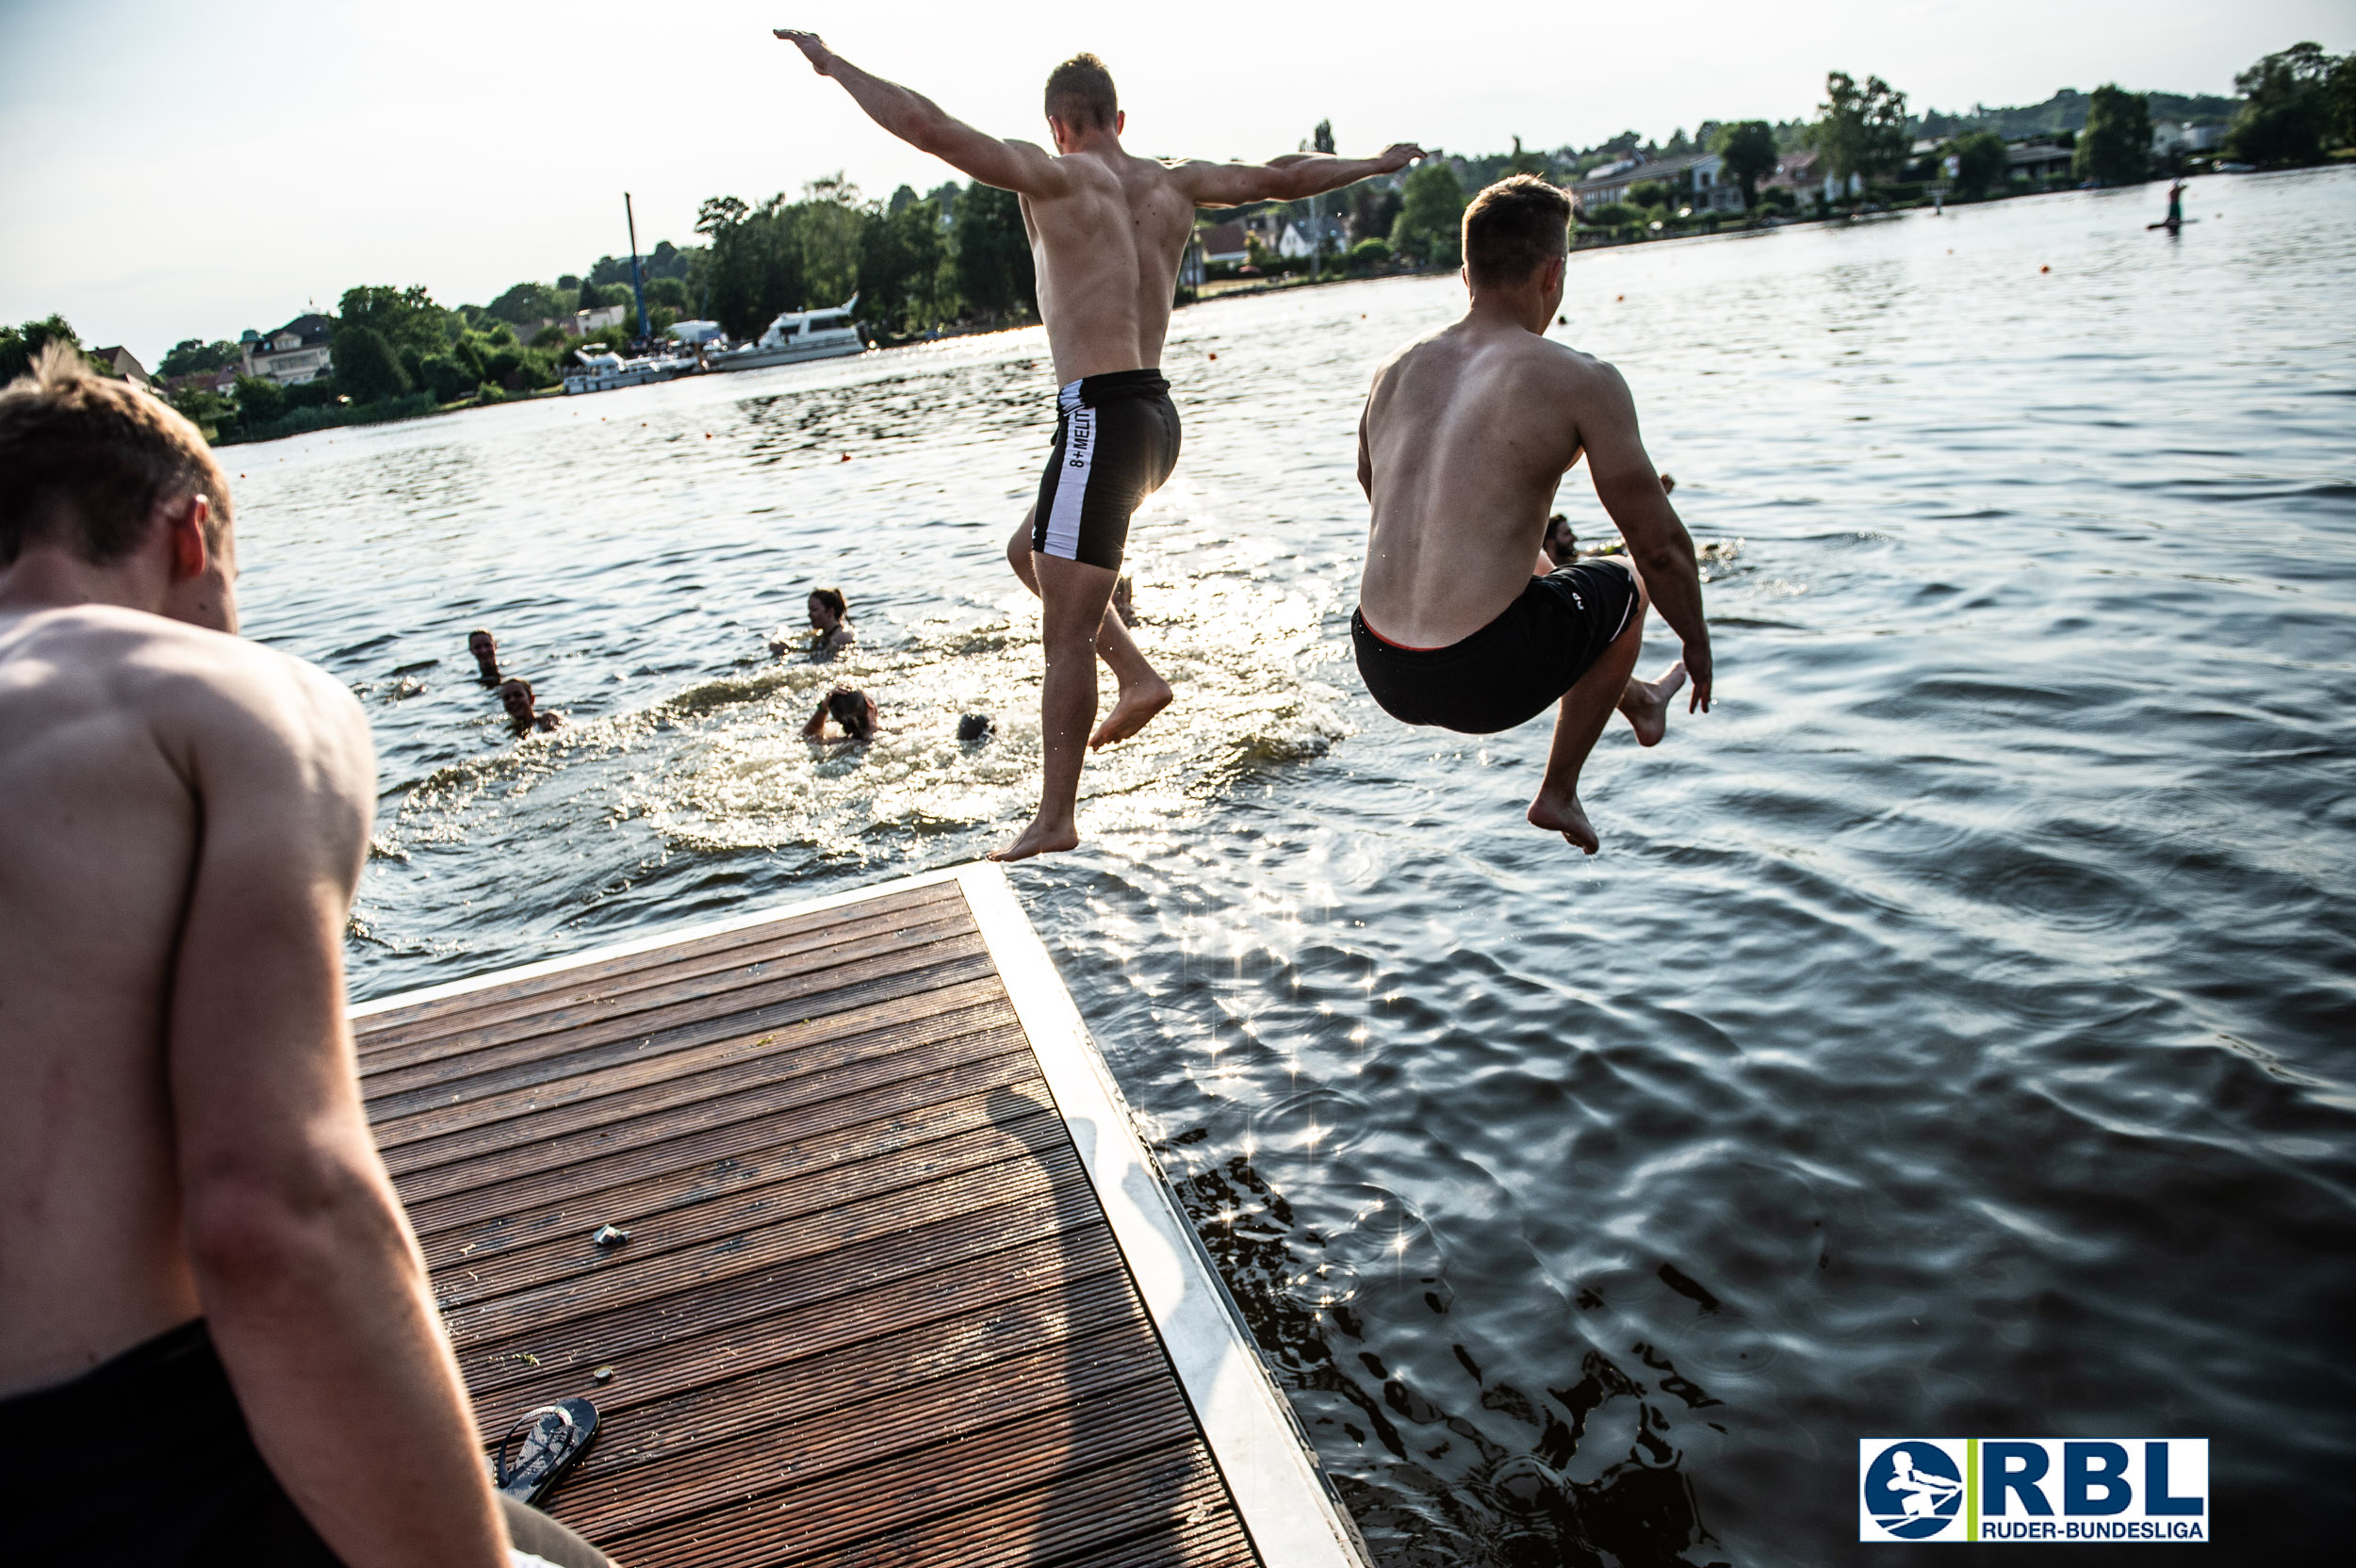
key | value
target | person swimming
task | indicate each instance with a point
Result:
(855, 710)
(523, 707)
(831, 628)
(485, 650)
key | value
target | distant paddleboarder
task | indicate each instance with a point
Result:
(2175, 218)
(1106, 230)
(1465, 435)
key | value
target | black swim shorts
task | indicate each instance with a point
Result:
(1510, 670)
(1116, 442)
(146, 1459)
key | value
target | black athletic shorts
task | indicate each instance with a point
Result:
(1510, 670)
(146, 1461)
(1116, 442)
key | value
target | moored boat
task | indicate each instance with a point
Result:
(793, 336)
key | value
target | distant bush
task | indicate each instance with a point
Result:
(1371, 255)
(303, 421)
(448, 380)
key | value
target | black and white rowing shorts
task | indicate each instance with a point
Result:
(1116, 442)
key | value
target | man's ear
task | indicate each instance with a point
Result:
(186, 520)
(1121, 121)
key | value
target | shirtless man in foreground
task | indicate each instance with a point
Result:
(1465, 435)
(217, 1342)
(1108, 231)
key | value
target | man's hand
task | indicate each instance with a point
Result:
(1697, 657)
(813, 48)
(1397, 155)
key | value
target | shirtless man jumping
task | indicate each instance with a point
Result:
(1465, 435)
(1108, 231)
(217, 1342)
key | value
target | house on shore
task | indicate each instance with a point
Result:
(295, 354)
(122, 362)
(1224, 242)
(1698, 180)
(2040, 158)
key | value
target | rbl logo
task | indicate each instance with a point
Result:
(1948, 1489)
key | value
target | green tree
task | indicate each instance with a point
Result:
(830, 221)
(2340, 94)
(1979, 161)
(993, 265)
(366, 366)
(899, 272)
(207, 410)
(1431, 216)
(447, 379)
(1860, 130)
(2116, 146)
(2289, 111)
(669, 291)
(260, 399)
(1748, 149)
(530, 302)
(403, 318)
(192, 354)
(20, 346)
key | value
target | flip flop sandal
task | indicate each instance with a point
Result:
(552, 1439)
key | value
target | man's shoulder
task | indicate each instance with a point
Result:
(181, 676)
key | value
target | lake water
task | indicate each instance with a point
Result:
(1953, 1037)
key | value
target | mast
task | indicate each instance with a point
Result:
(637, 286)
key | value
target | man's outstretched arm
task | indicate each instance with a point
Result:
(1629, 488)
(305, 1266)
(1288, 178)
(1019, 166)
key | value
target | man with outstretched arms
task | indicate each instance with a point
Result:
(1463, 621)
(216, 1343)
(1108, 231)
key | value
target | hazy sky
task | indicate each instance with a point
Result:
(178, 171)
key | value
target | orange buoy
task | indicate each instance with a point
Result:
(2045, 268)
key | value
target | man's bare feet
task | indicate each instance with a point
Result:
(1132, 711)
(1563, 815)
(1646, 705)
(1039, 839)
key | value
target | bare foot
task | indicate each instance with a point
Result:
(1039, 839)
(1564, 814)
(1132, 711)
(1646, 705)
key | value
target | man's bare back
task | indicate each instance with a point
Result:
(1466, 435)
(1107, 232)
(116, 721)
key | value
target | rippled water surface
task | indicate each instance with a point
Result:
(1953, 1039)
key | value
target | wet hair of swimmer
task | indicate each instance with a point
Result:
(849, 708)
(974, 726)
(834, 601)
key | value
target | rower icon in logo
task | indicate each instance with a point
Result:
(1913, 1491)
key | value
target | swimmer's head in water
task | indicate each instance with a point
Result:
(828, 609)
(516, 696)
(973, 727)
(1513, 228)
(485, 650)
(853, 710)
(1080, 95)
(1561, 543)
(1668, 483)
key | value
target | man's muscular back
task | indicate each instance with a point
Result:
(145, 761)
(1465, 435)
(1108, 248)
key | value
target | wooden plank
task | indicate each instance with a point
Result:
(726, 1157)
(862, 1194)
(879, 969)
(1055, 1381)
(729, 1054)
(1058, 1271)
(420, 1020)
(778, 1521)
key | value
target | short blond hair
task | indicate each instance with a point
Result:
(84, 462)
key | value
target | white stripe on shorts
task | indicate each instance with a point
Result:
(1072, 486)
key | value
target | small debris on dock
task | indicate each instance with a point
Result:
(610, 1236)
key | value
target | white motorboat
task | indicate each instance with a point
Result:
(606, 370)
(793, 336)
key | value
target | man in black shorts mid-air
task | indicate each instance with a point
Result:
(1465, 435)
(1106, 231)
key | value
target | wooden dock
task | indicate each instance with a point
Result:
(902, 1285)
